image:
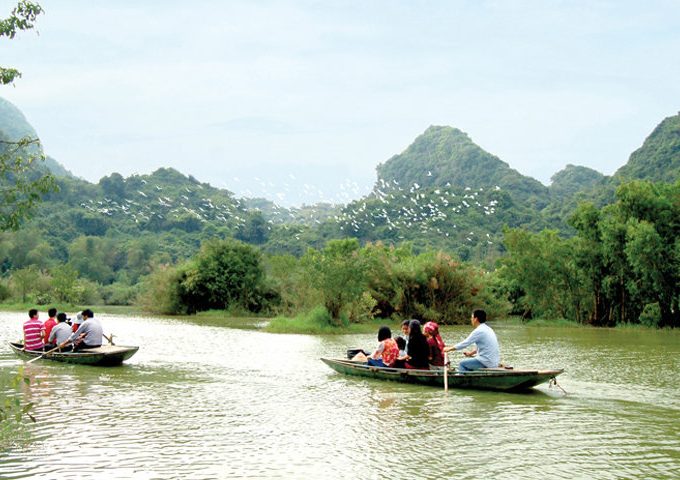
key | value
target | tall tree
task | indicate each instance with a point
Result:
(21, 185)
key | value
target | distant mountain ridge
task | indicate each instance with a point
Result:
(13, 123)
(442, 191)
(658, 159)
(444, 156)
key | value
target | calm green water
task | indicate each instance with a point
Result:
(200, 402)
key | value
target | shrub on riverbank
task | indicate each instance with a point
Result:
(316, 322)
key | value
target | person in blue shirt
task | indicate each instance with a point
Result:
(486, 354)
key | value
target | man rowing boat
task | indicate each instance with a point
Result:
(88, 335)
(487, 354)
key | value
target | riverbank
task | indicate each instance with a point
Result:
(72, 309)
(305, 324)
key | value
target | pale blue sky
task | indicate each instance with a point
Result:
(265, 97)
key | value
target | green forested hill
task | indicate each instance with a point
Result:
(658, 159)
(13, 124)
(446, 156)
(442, 192)
(572, 180)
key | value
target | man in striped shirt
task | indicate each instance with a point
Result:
(33, 331)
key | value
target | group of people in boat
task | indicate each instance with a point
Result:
(59, 332)
(421, 346)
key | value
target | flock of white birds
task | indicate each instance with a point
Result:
(430, 210)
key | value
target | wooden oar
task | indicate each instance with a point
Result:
(39, 357)
(446, 374)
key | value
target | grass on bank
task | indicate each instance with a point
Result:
(318, 322)
(72, 309)
(537, 322)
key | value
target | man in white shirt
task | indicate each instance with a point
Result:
(89, 334)
(487, 354)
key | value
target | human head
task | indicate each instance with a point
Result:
(414, 329)
(404, 326)
(401, 343)
(61, 317)
(32, 313)
(479, 316)
(87, 313)
(51, 312)
(431, 329)
(384, 333)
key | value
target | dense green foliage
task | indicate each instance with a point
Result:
(622, 267)
(658, 159)
(20, 189)
(408, 249)
(573, 179)
(225, 274)
(446, 156)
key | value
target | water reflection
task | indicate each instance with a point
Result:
(204, 401)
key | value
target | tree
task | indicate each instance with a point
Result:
(224, 274)
(339, 272)
(21, 185)
(542, 266)
(22, 18)
(651, 214)
(23, 281)
(65, 285)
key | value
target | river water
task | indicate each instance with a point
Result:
(209, 402)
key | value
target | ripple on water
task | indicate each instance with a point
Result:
(272, 410)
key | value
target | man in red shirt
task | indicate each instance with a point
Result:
(50, 323)
(33, 331)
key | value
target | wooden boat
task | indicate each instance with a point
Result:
(500, 379)
(106, 355)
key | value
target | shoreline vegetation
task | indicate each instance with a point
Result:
(306, 324)
(620, 267)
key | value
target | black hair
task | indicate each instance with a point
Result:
(405, 323)
(52, 312)
(415, 331)
(32, 312)
(479, 315)
(87, 312)
(384, 333)
(401, 343)
(61, 317)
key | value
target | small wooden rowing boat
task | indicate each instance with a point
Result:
(106, 355)
(500, 379)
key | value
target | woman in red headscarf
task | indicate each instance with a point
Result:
(436, 344)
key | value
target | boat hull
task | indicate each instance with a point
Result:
(106, 355)
(497, 379)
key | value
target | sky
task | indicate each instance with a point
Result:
(299, 101)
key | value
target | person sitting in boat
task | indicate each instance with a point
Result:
(401, 359)
(77, 321)
(417, 349)
(387, 352)
(435, 343)
(89, 334)
(33, 331)
(49, 324)
(60, 333)
(486, 354)
(404, 331)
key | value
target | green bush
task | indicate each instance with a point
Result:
(5, 291)
(119, 294)
(160, 291)
(651, 315)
